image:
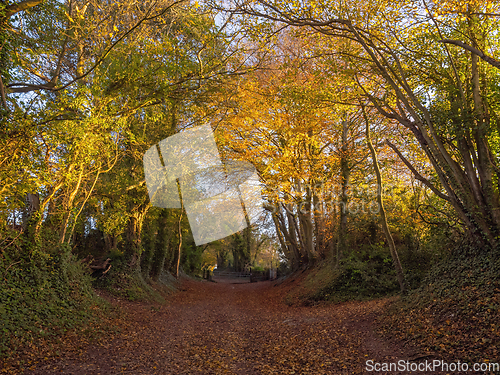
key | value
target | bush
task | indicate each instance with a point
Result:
(42, 294)
(365, 274)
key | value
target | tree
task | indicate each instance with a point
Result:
(441, 97)
(87, 94)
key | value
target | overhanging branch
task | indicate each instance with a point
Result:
(19, 7)
(417, 175)
(14, 87)
(490, 60)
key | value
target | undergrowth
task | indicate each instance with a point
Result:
(363, 275)
(360, 275)
(455, 314)
(126, 281)
(43, 295)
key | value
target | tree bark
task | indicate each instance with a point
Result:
(345, 173)
(383, 217)
(19, 7)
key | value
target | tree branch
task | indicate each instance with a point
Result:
(2, 94)
(488, 59)
(23, 5)
(417, 175)
(51, 85)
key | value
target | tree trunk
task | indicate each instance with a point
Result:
(32, 207)
(383, 217)
(319, 224)
(345, 173)
(290, 241)
(289, 254)
(180, 242)
(295, 237)
(162, 243)
(69, 206)
(306, 229)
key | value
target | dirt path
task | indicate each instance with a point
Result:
(223, 328)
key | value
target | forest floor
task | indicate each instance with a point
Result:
(226, 328)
